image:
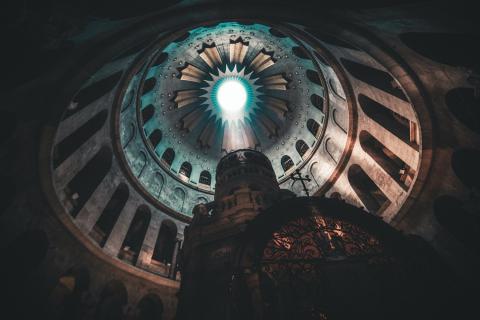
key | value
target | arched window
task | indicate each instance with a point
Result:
(313, 126)
(388, 119)
(314, 77)
(301, 147)
(179, 198)
(148, 85)
(168, 156)
(374, 77)
(300, 52)
(371, 196)
(287, 163)
(82, 186)
(104, 225)
(75, 140)
(388, 160)
(150, 308)
(155, 137)
(317, 101)
(186, 170)
(205, 178)
(147, 113)
(165, 243)
(132, 244)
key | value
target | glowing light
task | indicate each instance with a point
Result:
(232, 96)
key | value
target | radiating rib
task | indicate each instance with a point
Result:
(275, 82)
(278, 106)
(238, 50)
(249, 136)
(192, 119)
(262, 61)
(192, 73)
(268, 124)
(186, 97)
(207, 137)
(211, 56)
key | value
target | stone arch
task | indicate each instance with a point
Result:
(165, 244)
(168, 157)
(287, 163)
(155, 137)
(179, 198)
(150, 307)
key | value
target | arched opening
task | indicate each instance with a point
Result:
(148, 85)
(392, 164)
(150, 307)
(313, 127)
(317, 101)
(287, 163)
(162, 57)
(277, 33)
(371, 196)
(92, 92)
(301, 147)
(185, 170)
(300, 52)
(132, 244)
(165, 244)
(104, 225)
(314, 77)
(168, 157)
(75, 140)
(155, 137)
(158, 187)
(112, 300)
(205, 178)
(82, 186)
(401, 127)
(147, 113)
(179, 199)
(374, 77)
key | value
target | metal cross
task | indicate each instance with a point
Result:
(301, 179)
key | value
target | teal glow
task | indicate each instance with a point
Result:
(232, 97)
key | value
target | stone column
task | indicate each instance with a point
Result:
(146, 252)
(119, 232)
(173, 266)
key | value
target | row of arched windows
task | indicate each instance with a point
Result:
(302, 149)
(186, 168)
